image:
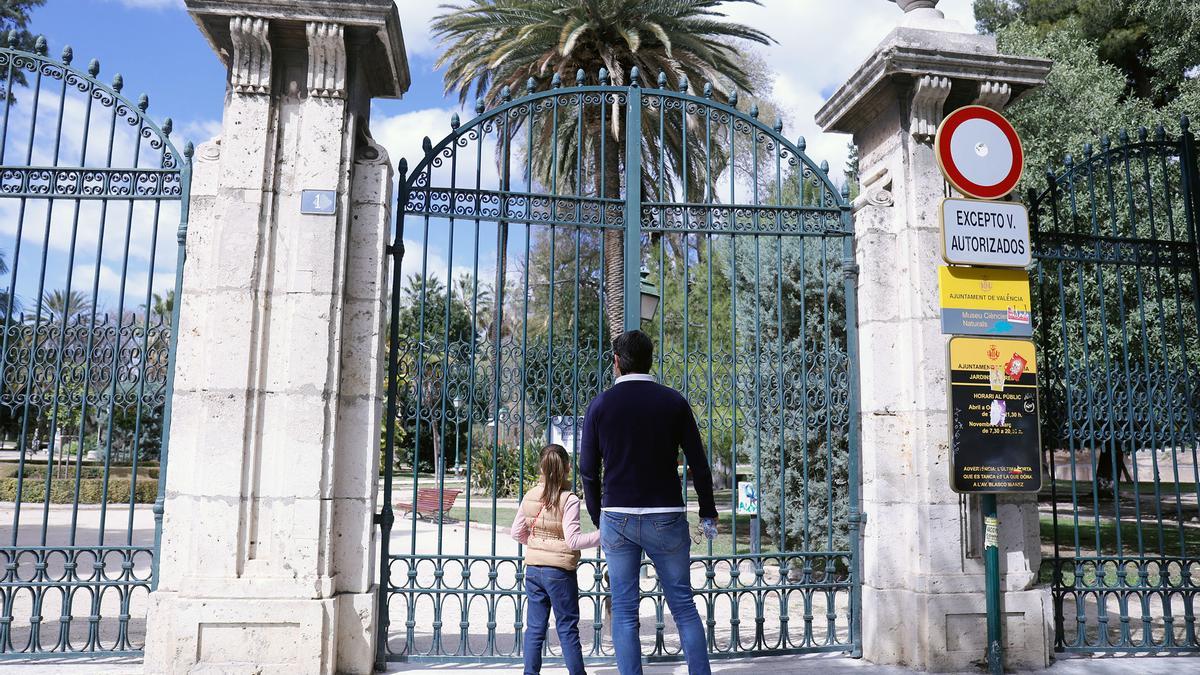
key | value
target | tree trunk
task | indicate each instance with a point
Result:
(614, 244)
(502, 246)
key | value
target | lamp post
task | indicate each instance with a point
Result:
(650, 296)
(457, 403)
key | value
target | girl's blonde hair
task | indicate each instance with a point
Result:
(555, 467)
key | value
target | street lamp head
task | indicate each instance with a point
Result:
(650, 296)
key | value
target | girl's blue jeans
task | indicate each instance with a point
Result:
(549, 588)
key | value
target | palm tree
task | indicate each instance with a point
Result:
(61, 306)
(8, 304)
(496, 44)
(162, 307)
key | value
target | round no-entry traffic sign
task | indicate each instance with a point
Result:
(979, 152)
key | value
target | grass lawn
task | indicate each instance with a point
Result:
(1107, 532)
(1151, 543)
(1084, 487)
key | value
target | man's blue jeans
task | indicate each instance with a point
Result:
(546, 588)
(664, 537)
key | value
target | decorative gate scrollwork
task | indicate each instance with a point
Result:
(93, 203)
(523, 242)
(1117, 293)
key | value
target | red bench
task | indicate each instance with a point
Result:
(428, 503)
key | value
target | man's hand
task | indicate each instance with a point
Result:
(708, 526)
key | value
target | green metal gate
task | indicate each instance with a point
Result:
(523, 238)
(1116, 293)
(92, 211)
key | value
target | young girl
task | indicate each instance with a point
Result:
(547, 523)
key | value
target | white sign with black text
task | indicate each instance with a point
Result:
(976, 232)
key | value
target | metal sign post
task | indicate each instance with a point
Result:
(991, 563)
(994, 444)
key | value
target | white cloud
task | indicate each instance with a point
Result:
(415, 16)
(197, 132)
(820, 44)
(403, 135)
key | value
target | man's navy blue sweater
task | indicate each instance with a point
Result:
(632, 434)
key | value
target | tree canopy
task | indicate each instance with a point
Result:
(1118, 65)
(14, 28)
(499, 47)
(1155, 44)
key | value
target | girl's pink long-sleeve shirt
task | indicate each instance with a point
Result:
(574, 537)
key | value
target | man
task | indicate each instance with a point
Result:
(635, 431)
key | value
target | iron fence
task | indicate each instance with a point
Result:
(522, 241)
(1116, 292)
(93, 199)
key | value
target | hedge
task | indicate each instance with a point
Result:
(62, 490)
(38, 470)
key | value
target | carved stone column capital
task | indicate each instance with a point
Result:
(993, 95)
(876, 190)
(250, 68)
(326, 60)
(928, 102)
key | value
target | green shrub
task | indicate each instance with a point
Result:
(508, 470)
(62, 490)
(87, 471)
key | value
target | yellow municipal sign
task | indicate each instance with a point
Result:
(985, 301)
(994, 432)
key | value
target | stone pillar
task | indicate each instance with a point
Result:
(923, 585)
(268, 548)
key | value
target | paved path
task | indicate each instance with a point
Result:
(834, 665)
(775, 665)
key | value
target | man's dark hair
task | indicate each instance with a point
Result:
(635, 352)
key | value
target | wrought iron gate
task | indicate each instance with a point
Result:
(91, 194)
(519, 244)
(1116, 291)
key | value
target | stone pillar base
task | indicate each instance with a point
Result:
(356, 632)
(946, 632)
(230, 635)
